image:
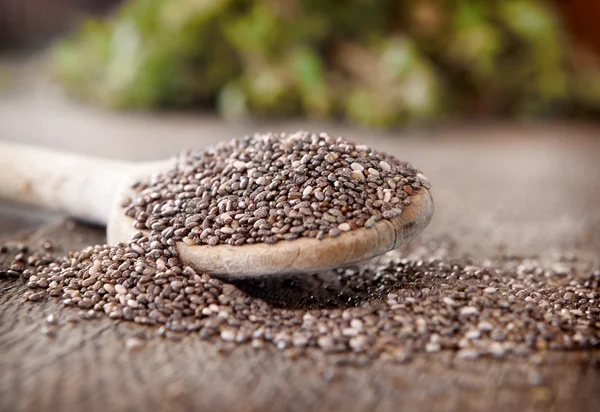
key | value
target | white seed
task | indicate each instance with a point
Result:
(137, 249)
(239, 164)
(344, 227)
(227, 335)
(468, 354)
(51, 319)
(469, 310)
(473, 334)
(496, 349)
(299, 340)
(358, 175)
(134, 344)
(357, 166)
(448, 301)
(433, 347)
(356, 324)
(109, 288)
(120, 289)
(331, 157)
(358, 343)
(349, 332)
(485, 326)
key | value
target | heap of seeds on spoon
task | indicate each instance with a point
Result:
(272, 188)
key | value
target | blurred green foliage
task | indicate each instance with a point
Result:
(376, 63)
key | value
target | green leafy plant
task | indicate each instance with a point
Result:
(379, 64)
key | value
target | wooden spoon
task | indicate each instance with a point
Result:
(92, 189)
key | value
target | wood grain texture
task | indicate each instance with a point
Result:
(87, 367)
(530, 192)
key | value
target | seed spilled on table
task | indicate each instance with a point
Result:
(315, 186)
(389, 307)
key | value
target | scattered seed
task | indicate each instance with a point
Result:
(468, 354)
(48, 332)
(400, 303)
(134, 344)
(156, 289)
(468, 310)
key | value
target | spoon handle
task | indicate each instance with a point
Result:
(82, 186)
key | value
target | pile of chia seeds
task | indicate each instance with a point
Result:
(390, 307)
(259, 189)
(271, 187)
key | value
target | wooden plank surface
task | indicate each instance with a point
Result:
(528, 191)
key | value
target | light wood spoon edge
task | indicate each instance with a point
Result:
(300, 255)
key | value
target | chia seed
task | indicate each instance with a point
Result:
(388, 306)
(248, 190)
(393, 306)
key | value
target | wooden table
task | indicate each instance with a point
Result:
(531, 190)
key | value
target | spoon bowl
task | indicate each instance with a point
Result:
(295, 256)
(93, 189)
